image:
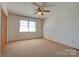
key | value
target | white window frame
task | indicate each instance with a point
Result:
(28, 26)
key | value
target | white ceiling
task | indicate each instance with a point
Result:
(26, 8)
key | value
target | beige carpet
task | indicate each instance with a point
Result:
(37, 48)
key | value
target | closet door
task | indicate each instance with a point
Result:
(4, 30)
(0, 29)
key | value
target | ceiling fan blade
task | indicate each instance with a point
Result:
(36, 4)
(46, 10)
(42, 13)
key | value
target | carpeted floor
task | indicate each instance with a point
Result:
(37, 48)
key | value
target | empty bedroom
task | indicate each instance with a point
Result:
(39, 29)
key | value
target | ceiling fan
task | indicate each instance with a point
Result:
(41, 8)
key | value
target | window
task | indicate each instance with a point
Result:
(27, 26)
(23, 26)
(32, 26)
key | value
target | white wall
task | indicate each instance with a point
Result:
(63, 24)
(13, 28)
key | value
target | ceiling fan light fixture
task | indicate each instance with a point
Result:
(39, 13)
(41, 9)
